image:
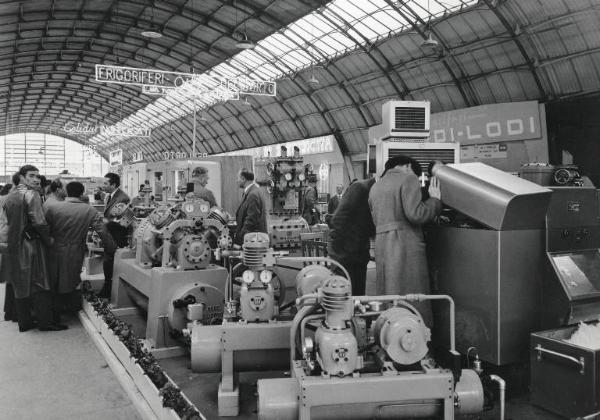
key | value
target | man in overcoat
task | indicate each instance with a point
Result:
(251, 214)
(351, 227)
(24, 261)
(333, 203)
(308, 202)
(398, 213)
(115, 235)
(69, 221)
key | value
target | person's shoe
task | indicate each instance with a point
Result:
(28, 326)
(53, 327)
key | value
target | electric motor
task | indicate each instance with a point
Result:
(310, 278)
(401, 332)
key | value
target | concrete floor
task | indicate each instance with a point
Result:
(56, 376)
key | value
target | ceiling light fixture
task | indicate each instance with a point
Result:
(245, 44)
(429, 42)
(154, 31)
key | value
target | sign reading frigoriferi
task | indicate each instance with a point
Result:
(160, 82)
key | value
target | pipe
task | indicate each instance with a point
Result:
(502, 386)
(303, 325)
(303, 312)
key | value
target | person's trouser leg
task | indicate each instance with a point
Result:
(41, 301)
(107, 266)
(10, 312)
(23, 311)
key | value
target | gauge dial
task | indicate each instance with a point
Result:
(248, 276)
(189, 207)
(204, 207)
(266, 276)
(288, 176)
(301, 177)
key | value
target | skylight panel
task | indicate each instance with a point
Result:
(323, 34)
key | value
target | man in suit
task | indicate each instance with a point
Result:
(115, 235)
(308, 202)
(200, 179)
(251, 214)
(333, 203)
(69, 221)
(351, 227)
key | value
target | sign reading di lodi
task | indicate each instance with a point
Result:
(159, 82)
(113, 130)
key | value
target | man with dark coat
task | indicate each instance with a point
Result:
(115, 235)
(333, 203)
(251, 214)
(398, 213)
(308, 202)
(69, 221)
(351, 227)
(24, 261)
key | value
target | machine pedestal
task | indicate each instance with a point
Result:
(228, 401)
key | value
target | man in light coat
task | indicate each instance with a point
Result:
(69, 221)
(251, 214)
(398, 213)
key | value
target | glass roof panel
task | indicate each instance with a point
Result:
(324, 34)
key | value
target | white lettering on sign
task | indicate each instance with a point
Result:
(115, 157)
(484, 151)
(488, 124)
(170, 155)
(85, 128)
(160, 82)
(137, 156)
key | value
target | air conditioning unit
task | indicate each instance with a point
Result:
(405, 120)
(424, 153)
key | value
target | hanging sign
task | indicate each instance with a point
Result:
(137, 156)
(115, 157)
(160, 82)
(113, 130)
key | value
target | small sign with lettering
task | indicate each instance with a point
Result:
(116, 157)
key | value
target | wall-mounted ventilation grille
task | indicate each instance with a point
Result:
(409, 118)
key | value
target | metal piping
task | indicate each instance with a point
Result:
(502, 386)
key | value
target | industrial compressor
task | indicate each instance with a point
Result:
(366, 357)
(169, 273)
(254, 334)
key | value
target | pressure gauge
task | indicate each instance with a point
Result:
(266, 276)
(189, 207)
(288, 176)
(204, 207)
(248, 276)
(301, 177)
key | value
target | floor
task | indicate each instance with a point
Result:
(57, 376)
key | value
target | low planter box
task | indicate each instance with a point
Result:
(142, 382)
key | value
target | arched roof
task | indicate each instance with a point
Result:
(488, 51)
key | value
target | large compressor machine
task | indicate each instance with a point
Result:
(366, 357)
(255, 332)
(169, 273)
